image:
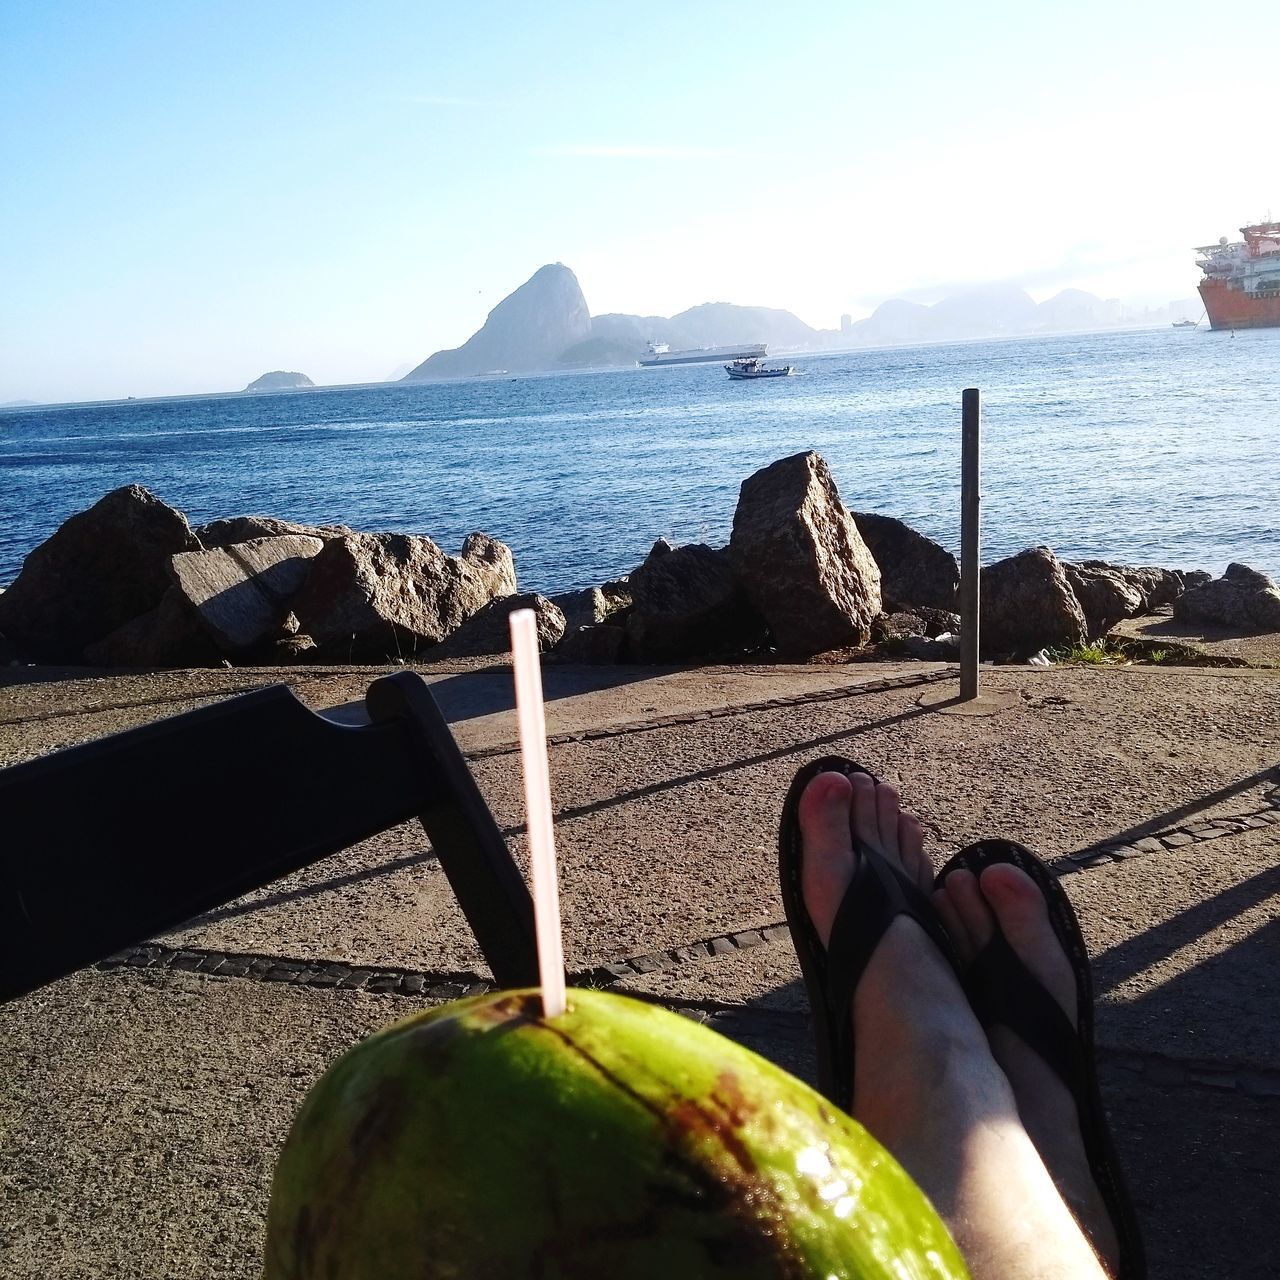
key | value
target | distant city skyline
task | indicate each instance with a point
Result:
(195, 195)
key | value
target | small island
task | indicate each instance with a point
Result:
(279, 380)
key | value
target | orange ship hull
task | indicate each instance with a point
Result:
(1232, 308)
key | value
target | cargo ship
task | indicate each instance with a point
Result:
(661, 353)
(1241, 284)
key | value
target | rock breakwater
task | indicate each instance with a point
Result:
(129, 582)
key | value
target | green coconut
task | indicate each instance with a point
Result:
(618, 1140)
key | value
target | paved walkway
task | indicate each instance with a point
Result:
(142, 1104)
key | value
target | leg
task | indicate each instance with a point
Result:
(971, 909)
(926, 1083)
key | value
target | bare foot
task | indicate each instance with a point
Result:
(925, 1081)
(970, 909)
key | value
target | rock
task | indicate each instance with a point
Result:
(1156, 586)
(592, 645)
(660, 548)
(488, 631)
(896, 626)
(102, 568)
(223, 533)
(1106, 597)
(687, 604)
(290, 651)
(241, 593)
(593, 606)
(946, 648)
(167, 636)
(380, 596)
(490, 563)
(8, 654)
(1195, 578)
(801, 560)
(1027, 603)
(1243, 599)
(914, 570)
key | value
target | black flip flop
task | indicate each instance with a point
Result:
(876, 896)
(1002, 991)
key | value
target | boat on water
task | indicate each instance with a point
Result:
(754, 367)
(661, 353)
(1241, 283)
(1186, 324)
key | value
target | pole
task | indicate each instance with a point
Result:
(970, 526)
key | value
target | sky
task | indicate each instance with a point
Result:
(195, 193)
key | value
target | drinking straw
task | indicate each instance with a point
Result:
(537, 803)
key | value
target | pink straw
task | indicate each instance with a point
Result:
(537, 802)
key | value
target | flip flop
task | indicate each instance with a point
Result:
(1003, 991)
(876, 896)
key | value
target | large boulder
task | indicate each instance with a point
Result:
(489, 631)
(801, 560)
(1028, 605)
(1243, 599)
(593, 606)
(490, 564)
(378, 596)
(101, 569)
(914, 570)
(593, 645)
(688, 604)
(1157, 586)
(241, 593)
(169, 635)
(1106, 596)
(225, 533)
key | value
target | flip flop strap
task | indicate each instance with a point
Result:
(1003, 992)
(877, 895)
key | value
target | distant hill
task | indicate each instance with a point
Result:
(279, 380)
(19, 404)
(545, 324)
(713, 324)
(527, 331)
(998, 311)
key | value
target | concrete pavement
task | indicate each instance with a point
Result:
(142, 1106)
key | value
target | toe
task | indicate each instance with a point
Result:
(1023, 915)
(888, 811)
(915, 862)
(954, 924)
(866, 819)
(970, 908)
(827, 864)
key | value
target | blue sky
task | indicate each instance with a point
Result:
(195, 193)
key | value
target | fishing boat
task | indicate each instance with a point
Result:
(745, 370)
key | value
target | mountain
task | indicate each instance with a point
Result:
(527, 331)
(713, 324)
(1076, 309)
(279, 380)
(1000, 311)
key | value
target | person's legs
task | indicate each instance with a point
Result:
(970, 909)
(926, 1084)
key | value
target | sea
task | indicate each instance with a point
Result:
(1156, 446)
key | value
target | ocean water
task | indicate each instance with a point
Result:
(1153, 447)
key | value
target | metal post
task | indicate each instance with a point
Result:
(970, 501)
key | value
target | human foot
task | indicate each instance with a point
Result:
(1004, 897)
(924, 1079)
(911, 1023)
